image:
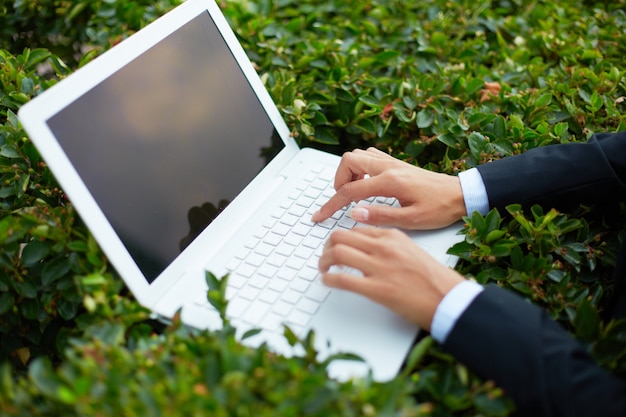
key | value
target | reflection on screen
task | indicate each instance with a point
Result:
(166, 142)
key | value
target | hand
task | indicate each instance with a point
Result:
(397, 273)
(428, 200)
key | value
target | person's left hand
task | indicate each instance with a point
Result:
(396, 272)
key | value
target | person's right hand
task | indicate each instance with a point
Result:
(428, 200)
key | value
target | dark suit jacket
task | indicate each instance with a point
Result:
(502, 337)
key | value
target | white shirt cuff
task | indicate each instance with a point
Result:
(452, 307)
(474, 192)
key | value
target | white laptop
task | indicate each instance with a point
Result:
(177, 160)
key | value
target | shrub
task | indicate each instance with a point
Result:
(442, 84)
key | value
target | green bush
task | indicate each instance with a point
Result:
(443, 84)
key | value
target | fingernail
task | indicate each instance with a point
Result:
(315, 215)
(360, 214)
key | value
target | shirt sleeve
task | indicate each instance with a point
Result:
(460, 297)
(474, 191)
(451, 307)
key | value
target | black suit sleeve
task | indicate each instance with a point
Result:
(560, 175)
(538, 364)
(502, 337)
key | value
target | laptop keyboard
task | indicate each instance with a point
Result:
(274, 278)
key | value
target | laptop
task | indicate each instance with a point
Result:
(174, 155)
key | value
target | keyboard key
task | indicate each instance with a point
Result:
(248, 292)
(295, 263)
(255, 313)
(308, 306)
(260, 234)
(288, 274)
(258, 282)
(285, 249)
(267, 271)
(269, 296)
(255, 259)
(282, 308)
(236, 308)
(319, 232)
(308, 273)
(276, 260)
(299, 318)
(236, 281)
(305, 201)
(299, 285)
(273, 239)
(297, 210)
(289, 220)
(317, 292)
(246, 270)
(281, 229)
(291, 296)
(278, 284)
(311, 242)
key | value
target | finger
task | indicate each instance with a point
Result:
(344, 255)
(356, 164)
(348, 282)
(335, 203)
(343, 247)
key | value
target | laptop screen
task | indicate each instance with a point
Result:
(167, 141)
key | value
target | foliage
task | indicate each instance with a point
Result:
(442, 84)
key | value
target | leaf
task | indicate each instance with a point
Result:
(417, 353)
(424, 118)
(587, 321)
(34, 252)
(54, 270)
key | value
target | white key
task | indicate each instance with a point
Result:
(285, 250)
(303, 252)
(276, 260)
(299, 318)
(255, 259)
(293, 239)
(295, 263)
(312, 242)
(236, 281)
(236, 308)
(278, 284)
(299, 285)
(268, 271)
(246, 270)
(308, 306)
(248, 292)
(305, 201)
(264, 249)
(291, 296)
(301, 229)
(317, 292)
(261, 233)
(288, 274)
(258, 282)
(297, 210)
(319, 232)
(281, 229)
(269, 296)
(289, 220)
(272, 239)
(282, 308)
(308, 273)
(254, 314)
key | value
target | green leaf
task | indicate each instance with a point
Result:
(418, 353)
(587, 321)
(425, 118)
(34, 252)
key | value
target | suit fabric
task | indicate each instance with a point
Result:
(505, 338)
